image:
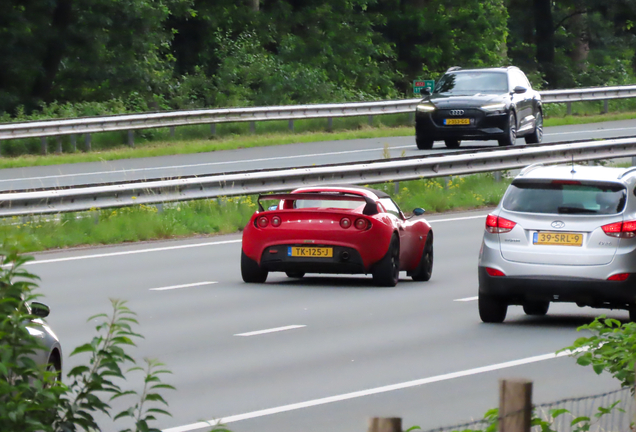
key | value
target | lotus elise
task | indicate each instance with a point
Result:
(339, 229)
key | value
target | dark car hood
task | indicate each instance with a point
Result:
(466, 101)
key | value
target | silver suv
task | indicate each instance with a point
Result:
(561, 234)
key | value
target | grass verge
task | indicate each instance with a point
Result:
(198, 139)
(223, 215)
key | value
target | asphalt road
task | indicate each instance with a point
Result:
(290, 155)
(350, 340)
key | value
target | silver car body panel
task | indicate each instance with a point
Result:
(600, 255)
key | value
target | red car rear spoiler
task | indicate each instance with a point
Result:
(370, 208)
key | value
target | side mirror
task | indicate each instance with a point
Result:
(425, 91)
(40, 309)
(418, 211)
(520, 89)
(272, 207)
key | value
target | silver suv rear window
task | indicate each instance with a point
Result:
(565, 197)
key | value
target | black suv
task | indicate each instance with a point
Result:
(480, 104)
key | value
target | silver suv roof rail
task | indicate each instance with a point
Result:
(627, 171)
(454, 68)
(529, 168)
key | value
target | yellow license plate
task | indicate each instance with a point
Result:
(558, 238)
(313, 252)
(457, 121)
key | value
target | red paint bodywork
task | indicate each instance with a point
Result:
(321, 226)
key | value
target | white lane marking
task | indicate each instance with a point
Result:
(182, 286)
(272, 330)
(368, 392)
(457, 219)
(467, 299)
(590, 130)
(202, 164)
(160, 249)
(261, 159)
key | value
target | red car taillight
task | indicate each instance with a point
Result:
(262, 221)
(620, 229)
(361, 223)
(345, 222)
(494, 272)
(498, 225)
(618, 277)
(276, 221)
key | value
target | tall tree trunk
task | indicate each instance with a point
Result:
(55, 50)
(579, 28)
(254, 5)
(545, 40)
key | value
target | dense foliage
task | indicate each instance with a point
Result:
(35, 398)
(105, 56)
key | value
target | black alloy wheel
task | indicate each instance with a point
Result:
(452, 143)
(424, 270)
(510, 137)
(537, 135)
(387, 271)
(296, 275)
(492, 309)
(423, 143)
(251, 271)
(537, 308)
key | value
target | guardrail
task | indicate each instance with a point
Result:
(243, 183)
(131, 122)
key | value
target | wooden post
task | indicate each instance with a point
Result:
(515, 405)
(390, 424)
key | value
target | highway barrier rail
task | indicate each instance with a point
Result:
(57, 200)
(131, 122)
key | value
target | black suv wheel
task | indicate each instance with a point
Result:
(510, 137)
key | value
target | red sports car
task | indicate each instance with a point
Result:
(340, 229)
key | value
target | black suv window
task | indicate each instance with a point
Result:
(473, 82)
(565, 197)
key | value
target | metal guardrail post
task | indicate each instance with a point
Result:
(213, 129)
(131, 138)
(73, 143)
(605, 106)
(330, 124)
(252, 127)
(498, 176)
(569, 110)
(87, 142)
(43, 145)
(291, 125)
(411, 118)
(171, 131)
(370, 120)
(58, 139)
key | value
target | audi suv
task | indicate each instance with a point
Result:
(480, 104)
(561, 234)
